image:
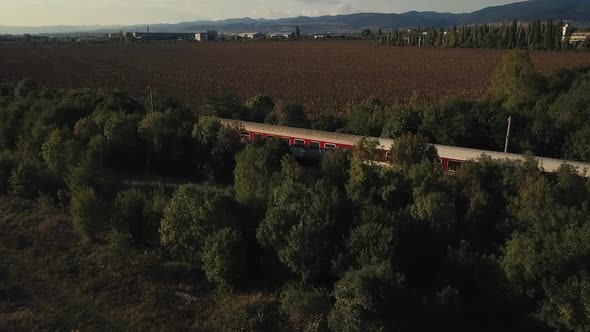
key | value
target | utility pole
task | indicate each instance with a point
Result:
(151, 98)
(508, 134)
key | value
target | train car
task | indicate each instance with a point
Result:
(314, 143)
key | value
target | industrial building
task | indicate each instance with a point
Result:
(162, 36)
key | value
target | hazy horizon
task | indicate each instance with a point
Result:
(36, 13)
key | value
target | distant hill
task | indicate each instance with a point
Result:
(570, 10)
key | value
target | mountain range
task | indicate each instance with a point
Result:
(575, 11)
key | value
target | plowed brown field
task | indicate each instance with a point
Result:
(322, 75)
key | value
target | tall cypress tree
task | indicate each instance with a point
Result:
(512, 34)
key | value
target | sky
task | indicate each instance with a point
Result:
(128, 12)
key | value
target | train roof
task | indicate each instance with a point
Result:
(444, 151)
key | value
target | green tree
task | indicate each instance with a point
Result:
(253, 164)
(302, 238)
(224, 258)
(216, 148)
(367, 299)
(307, 307)
(515, 80)
(260, 106)
(289, 115)
(364, 179)
(59, 152)
(545, 257)
(191, 216)
(25, 88)
(366, 33)
(336, 166)
(367, 119)
(168, 136)
(372, 244)
(410, 149)
(131, 215)
(86, 212)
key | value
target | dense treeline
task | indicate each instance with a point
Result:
(344, 246)
(535, 35)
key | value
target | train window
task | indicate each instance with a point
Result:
(258, 137)
(329, 147)
(454, 165)
(314, 145)
(438, 160)
(300, 142)
(245, 136)
(269, 137)
(387, 154)
(286, 140)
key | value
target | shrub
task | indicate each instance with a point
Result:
(365, 300)
(288, 114)
(260, 106)
(306, 307)
(21, 181)
(410, 149)
(131, 213)
(191, 216)
(223, 257)
(86, 213)
(24, 88)
(372, 244)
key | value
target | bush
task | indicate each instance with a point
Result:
(191, 216)
(336, 166)
(131, 214)
(366, 300)
(260, 106)
(224, 258)
(59, 152)
(328, 122)
(306, 307)
(367, 118)
(515, 80)
(86, 213)
(410, 149)
(24, 88)
(22, 181)
(288, 114)
(372, 244)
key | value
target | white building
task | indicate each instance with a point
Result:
(201, 36)
(576, 37)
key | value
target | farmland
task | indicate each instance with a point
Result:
(322, 75)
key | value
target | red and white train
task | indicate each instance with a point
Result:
(450, 157)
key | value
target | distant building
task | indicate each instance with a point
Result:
(201, 36)
(579, 37)
(162, 36)
(252, 35)
(280, 35)
(575, 37)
